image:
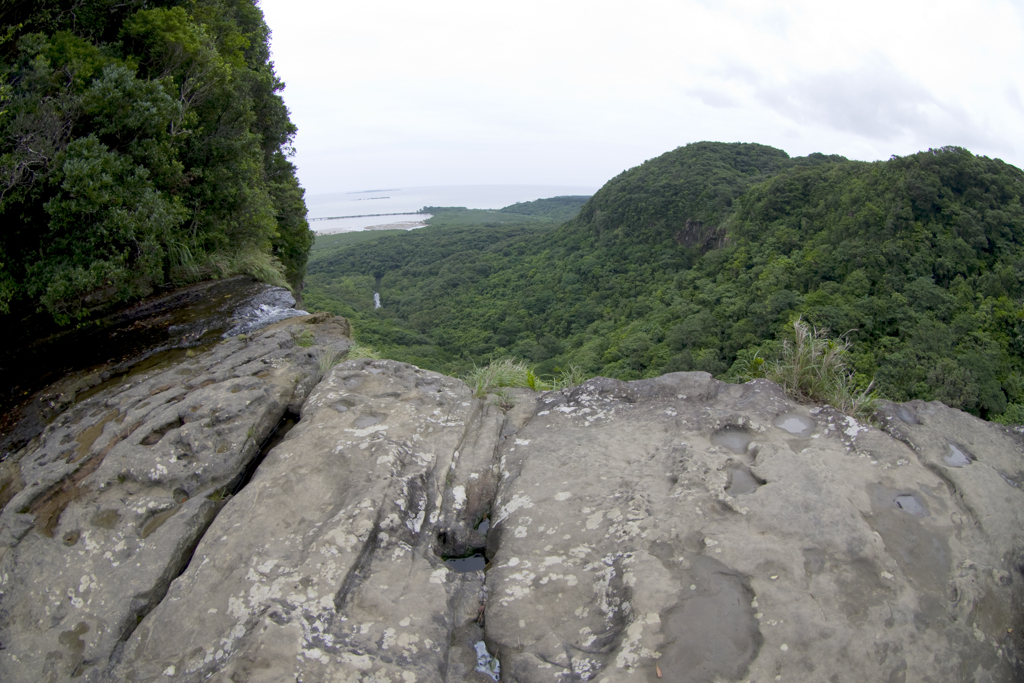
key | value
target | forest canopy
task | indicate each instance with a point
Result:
(142, 144)
(700, 259)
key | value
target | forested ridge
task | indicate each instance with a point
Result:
(143, 143)
(701, 258)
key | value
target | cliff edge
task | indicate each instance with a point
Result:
(404, 530)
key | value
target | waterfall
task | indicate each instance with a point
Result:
(376, 300)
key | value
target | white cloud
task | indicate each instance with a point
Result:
(1014, 98)
(574, 92)
(875, 101)
(713, 97)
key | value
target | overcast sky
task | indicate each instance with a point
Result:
(401, 93)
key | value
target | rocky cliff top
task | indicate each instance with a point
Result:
(404, 530)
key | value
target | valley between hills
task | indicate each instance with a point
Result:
(701, 259)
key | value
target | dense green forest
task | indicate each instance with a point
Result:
(554, 208)
(701, 258)
(143, 143)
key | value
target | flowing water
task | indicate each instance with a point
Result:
(85, 358)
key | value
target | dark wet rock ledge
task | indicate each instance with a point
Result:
(43, 370)
(676, 528)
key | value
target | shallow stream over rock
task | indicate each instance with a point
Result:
(55, 371)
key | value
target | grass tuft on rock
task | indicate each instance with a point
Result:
(813, 368)
(358, 350)
(326, 358)
(507, 372)
(513, 372)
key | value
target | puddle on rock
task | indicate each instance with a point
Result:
(712, 634)
(1012, 481)
(106, 519)
(910, 504)
(741, 481)
(794, 423)
(464, 565)
(956, 457)
(736, 439)
(88, 437)
(369, 419)
(157, 521)
(921, 553)
(485, 663)
(75, 644)
(905, 414)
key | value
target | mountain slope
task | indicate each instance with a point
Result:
(703, 256)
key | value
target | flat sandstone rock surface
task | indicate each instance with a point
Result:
(678, 528)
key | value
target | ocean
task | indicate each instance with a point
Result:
(363, 209)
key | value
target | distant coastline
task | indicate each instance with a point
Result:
(419, 221)
(362, 215)
(346, 215)
(412, 199)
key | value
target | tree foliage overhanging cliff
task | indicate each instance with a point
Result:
(700, 258)
(141, 144)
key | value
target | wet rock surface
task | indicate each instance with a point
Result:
(677, 528)
(44, 372)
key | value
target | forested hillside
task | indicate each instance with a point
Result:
(142, 144)
(700, 258)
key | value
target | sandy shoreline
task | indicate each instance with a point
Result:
(350, 226)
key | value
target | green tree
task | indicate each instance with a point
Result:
(141, 145)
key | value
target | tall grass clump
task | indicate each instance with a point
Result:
(185, 263)
(305, 338)
(326, 357)
(813, 368)
(513, 372)
(358, 350)
(570, 377)
(507, 372)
